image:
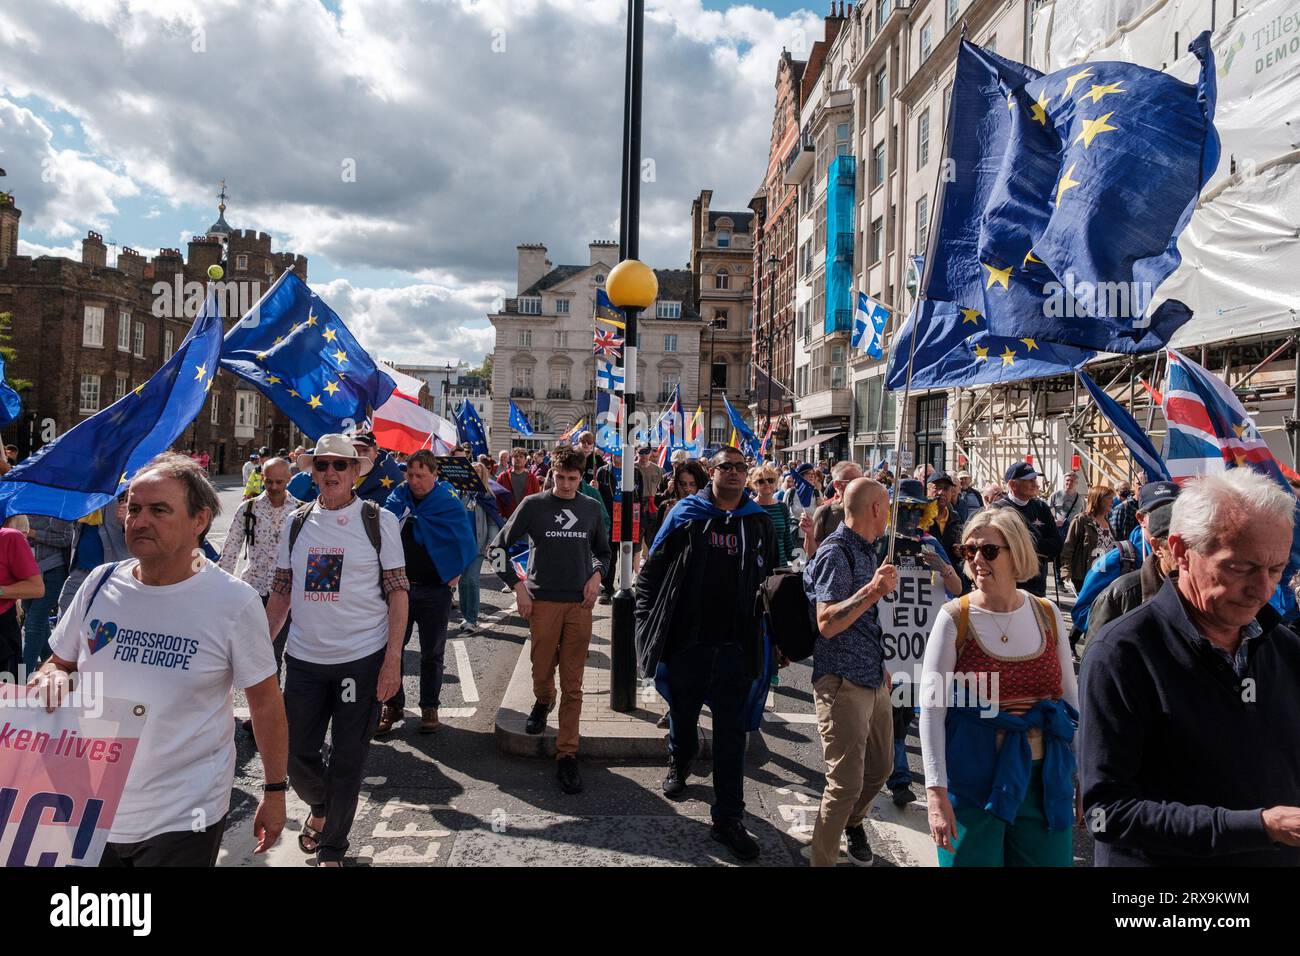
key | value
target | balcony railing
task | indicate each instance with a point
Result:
(847, 167)
(520, 391)
(843, 321)
(589, 395)
(558, 393)
(844, 245)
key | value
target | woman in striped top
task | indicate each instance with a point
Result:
(762, 480)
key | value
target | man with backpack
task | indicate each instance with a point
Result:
(342, 571)
(850, 685)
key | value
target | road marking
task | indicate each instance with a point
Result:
(444, 712)
(468, 689)
(794, 718)
(242, 714)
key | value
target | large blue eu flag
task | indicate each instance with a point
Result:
(470, 428)
(301, 356)
(88, 466)
(1064, 196)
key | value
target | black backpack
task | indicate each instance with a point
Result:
(1128, 557)
(791, 620)
(369, 521)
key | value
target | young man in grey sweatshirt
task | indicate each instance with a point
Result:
(570, 552)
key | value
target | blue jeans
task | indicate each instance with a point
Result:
(430, 607)
(469, 590)
(902, 775)
(716, 674)
(36, 629)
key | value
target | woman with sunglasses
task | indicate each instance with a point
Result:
(762, 481)
(999, 710)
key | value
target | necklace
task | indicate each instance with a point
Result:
(1003, 632)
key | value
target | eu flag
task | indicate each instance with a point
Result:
(88, 466)
(301, 356)
(749, 442)
(470, 428)
(1064, 196)
(519, 421)
(11, 404)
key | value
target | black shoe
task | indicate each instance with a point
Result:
(566, 771)
(859, 848)
(605, 598)
(903, 796)
(674, 784)
(737, 839)
(537, 718)
(248, 728)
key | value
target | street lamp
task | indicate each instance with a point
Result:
(771, 319)
(631, 286)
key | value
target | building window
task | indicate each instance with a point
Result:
(119, 386)
(89, 394)
(947, 98)
(524, 377)
(530, 305)
(92, 331)
(668, 310)
(216, 409)
(718, 430)
(670, 343)
(247, 409)
(723, 240)
(720, 319)
(670, 381)
(722, 280)
(600, 278)
(124, 331)
(819, 229)
(169, 343)
(926, 36)
(922, 223)
(525, 338)
(561, 306)
(837, 366)
(561, 340)
(241, 262)
(923, 138)
(877, 239)
(953, 6)
(878, 164)
(882, 13)
(717, 380)
(270, 270)
(139, 340)
(882, 88)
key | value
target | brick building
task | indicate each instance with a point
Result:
(85, 332)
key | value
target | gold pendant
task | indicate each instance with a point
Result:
(1005, 639)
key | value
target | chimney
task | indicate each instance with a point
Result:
(533, 264)
(603, 251)
(9, 216)
(93, 251)
(131, 262)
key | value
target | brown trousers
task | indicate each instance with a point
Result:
(561, 634)
(857, 728)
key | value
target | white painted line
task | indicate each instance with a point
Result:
(795, 718)
(375, 781)
(444, 712)
(771, 698)
(243, 713)
(468, 689)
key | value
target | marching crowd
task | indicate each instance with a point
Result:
(1160, 712)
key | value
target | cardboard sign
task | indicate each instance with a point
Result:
(906, 616)
(616, 529)
(460, 474)
(61, 776)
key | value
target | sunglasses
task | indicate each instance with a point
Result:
(990, 552)
(731, 466)
(764, 481)
(339, 464)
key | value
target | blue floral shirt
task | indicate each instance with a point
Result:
(843, 563)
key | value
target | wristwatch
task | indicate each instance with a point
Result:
(280, 787)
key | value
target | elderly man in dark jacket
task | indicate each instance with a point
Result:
(1190, 746)
(699, 635)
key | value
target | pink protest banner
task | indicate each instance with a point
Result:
(62, 775)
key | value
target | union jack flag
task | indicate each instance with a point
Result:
(608, 344)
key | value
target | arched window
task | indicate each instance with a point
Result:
(722, 280)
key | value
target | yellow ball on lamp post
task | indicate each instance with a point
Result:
(632, 285)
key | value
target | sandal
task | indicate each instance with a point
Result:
(309, 832)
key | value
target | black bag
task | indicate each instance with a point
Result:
(791, 621)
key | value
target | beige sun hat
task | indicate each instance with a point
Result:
(334, 446)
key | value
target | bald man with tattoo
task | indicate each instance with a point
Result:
(850, 684)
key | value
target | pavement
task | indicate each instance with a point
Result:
(460, 797)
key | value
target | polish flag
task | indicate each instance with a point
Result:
(401, 425)
(408, 386)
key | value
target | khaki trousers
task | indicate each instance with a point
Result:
(857, 728)
(561, 634)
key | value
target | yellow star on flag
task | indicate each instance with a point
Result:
(294, 393)
(1092, 128)
(311, 319)
(261, 356)
(314, 401)
(139, 388)
(331, 387)
(202, 371)
(273, 380)
(278, 340)
(981, 353)
(1066, 183)
(970, 315)
(1039, 110)
(1030, 257)
(1098, 91)
(329, 335)
(1074, 78)
(1001, 276)
(122, 480)
(1009, 357)
(208, 386)
(386, 482)
(340, 356)
(1031, 344)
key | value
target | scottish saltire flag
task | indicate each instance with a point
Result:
(89, 465)
(954, 348)
(519, 421)
(11, 404)
(1067, 194)
(607, 345)
(470, 428)
(1130, 432)
(869, 320)
(571, 433)
(609, 417)
(803, 488)
(609, 376)
(301, 356)
(607, 312)
(748, 440)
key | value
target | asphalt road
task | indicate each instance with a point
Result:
(452, 799)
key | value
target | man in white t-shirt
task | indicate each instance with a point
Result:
(342, 571)
(172, 631)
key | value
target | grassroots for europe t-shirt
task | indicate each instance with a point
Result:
(179, 649)
(337, 611)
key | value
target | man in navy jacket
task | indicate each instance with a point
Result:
(1190, 725)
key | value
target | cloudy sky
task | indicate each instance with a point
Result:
(468, 126)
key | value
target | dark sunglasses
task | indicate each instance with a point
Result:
(731, 466)
(340, 464)
(989, 551)
(764, 481)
